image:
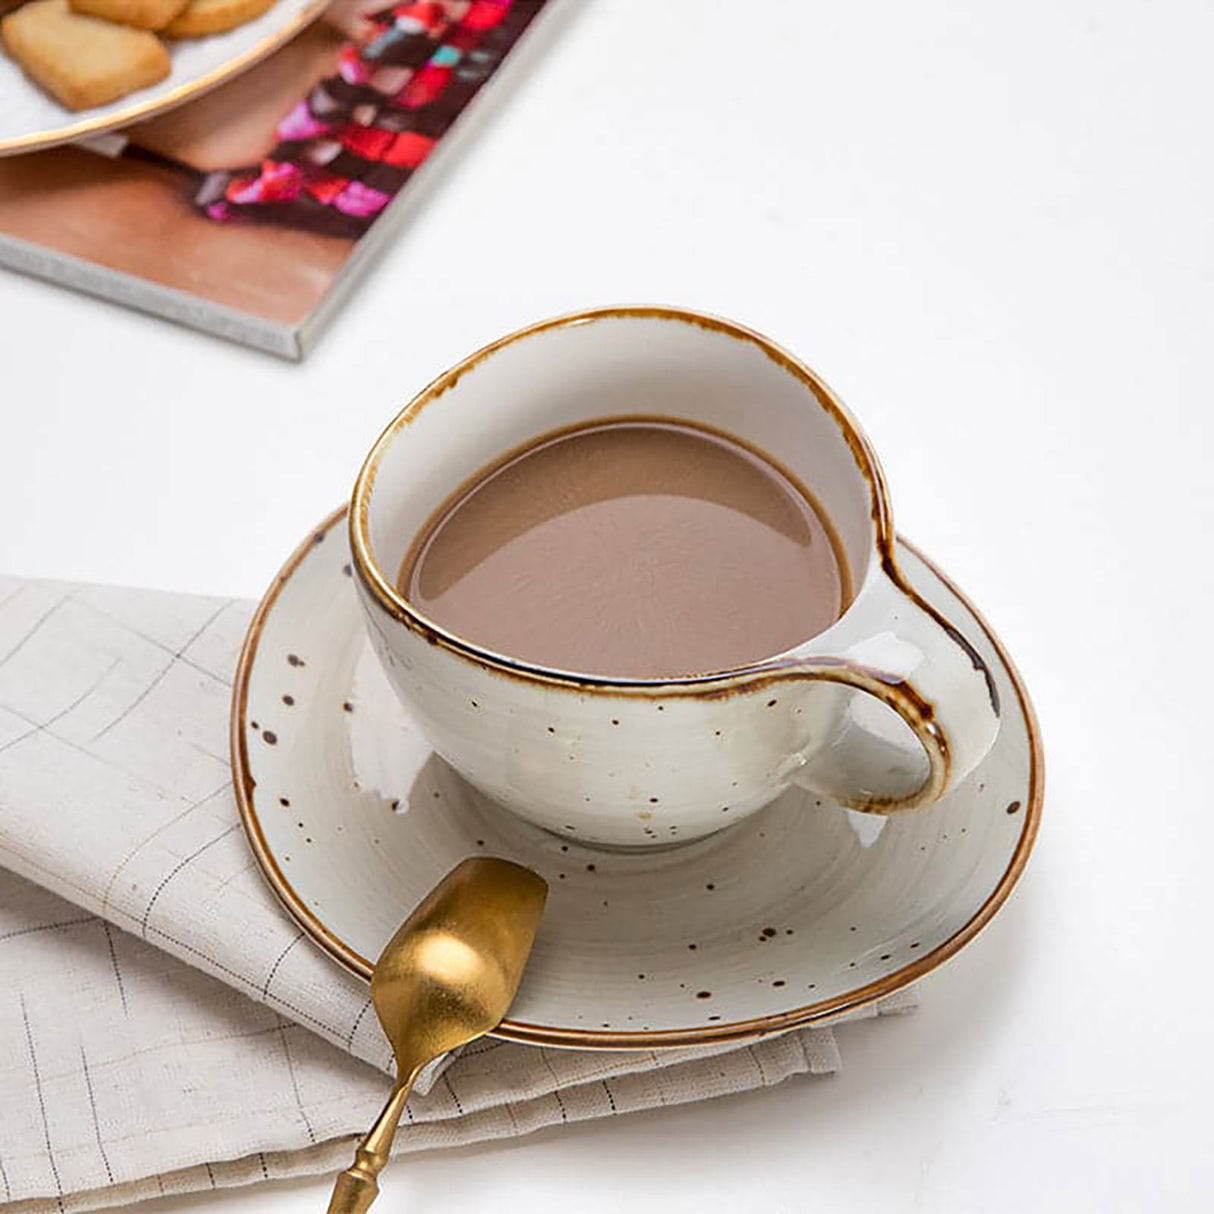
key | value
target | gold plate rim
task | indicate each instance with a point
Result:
(37, 141)
(738, 1030)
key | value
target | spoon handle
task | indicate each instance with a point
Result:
(357, 1187)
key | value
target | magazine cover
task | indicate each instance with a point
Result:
(247, 212)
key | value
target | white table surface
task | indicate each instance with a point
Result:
(991, 227)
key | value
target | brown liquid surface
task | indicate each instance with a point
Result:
(629, 549)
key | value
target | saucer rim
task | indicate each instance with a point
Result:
(539, 1034)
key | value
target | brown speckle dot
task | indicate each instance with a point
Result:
(254, 725)
(346, 706)
(347, 571)
(769, 932)
(703, 994)
(851, 965)
(318, 538)
(852, 928)
(716, 733)
(606, 1025)
(615, 720)
(475, 704)
(564, 847)
(375, 841)
(661, 708)
(437, 794)
(295, 660)
(640, 977)
(653, 800)
(778, 982)
(284, 802)
(811, 986)
(288, 700)
(270, 738)
(914, 944)
(714, 1017)
(1014, 808)
(725, 809)
(885, 956)
(561, 876)
(307, 838)
(552, 729)
(693, 947)
(395, 804)
(772, 703)
(590, 868)
(573, 829)
(300, 825)
(480, 842)
(710, 885)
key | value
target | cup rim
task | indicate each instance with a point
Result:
(382, 589)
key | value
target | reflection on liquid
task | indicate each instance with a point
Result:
(630, 549)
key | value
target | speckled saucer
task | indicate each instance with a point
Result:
(795, 915)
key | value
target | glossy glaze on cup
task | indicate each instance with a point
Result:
(632, 763)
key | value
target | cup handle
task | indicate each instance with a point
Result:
(900, 651)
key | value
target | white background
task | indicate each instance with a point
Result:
(989, 226)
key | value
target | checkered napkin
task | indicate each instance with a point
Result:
(165, 1026)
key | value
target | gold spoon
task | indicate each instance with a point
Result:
(447, 977)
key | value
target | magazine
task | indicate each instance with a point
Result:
(248, 212)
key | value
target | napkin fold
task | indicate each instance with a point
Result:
(166, 1026)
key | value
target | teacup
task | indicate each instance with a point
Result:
(887, 709)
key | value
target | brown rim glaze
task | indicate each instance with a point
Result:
(538, 1034)
(918, 714)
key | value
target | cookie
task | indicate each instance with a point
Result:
(214, 16)
(143, 14)
(79, 60)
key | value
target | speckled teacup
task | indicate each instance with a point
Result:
(887, 709)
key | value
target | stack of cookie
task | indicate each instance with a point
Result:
(87, 53)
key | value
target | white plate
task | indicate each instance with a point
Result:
(792, 916)
(31, 119)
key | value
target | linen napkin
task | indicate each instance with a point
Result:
(166, 1027)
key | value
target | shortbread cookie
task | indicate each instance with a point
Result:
(81, 61)
(214, 16)
(143, 14)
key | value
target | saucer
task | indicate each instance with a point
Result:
(799, 913)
